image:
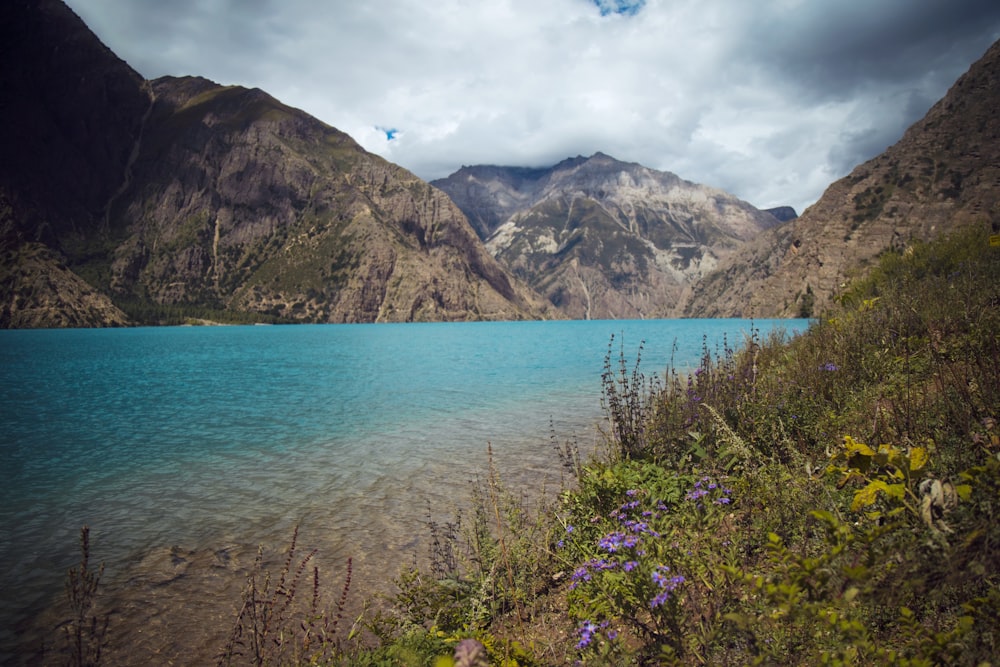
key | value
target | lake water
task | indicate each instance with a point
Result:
(185, 447)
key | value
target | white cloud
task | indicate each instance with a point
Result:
(770, 100)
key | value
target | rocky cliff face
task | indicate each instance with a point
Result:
(943, 173)
(184, 194)
(70, 113)
(241, 202)
(38, 288)
(602, 238)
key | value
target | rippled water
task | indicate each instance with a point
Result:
(183, 448)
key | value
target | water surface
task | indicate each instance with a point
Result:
(184, 447)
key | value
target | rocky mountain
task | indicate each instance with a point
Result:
(601, 238)
(782, 213)
(944, 173)
(70, 115)
(179, 194)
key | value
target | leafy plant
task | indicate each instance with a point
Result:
(648, 569)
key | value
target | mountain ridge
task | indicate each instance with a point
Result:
(602, 238)
(942, 174)
(120, 194)
(181, 194)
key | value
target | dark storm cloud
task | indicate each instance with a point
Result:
(838, 49)
(771, 100)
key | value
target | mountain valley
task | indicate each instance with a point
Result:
(125, 201)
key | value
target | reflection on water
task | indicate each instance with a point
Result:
(185, 448)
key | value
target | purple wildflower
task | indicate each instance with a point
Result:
(600, 564)
(586, 632)
(611, 542)
(660, 598)
(639, 527)
(696, 494)
(666, 584)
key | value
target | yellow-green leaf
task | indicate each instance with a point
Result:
(854, 447)
(895, 490)
(868, 495)
(918, 458)
(964, 491)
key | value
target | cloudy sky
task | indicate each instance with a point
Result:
(771, 100)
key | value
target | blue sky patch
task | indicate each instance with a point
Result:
(623, 7)
(389, 132)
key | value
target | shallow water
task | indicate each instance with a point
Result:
(183, 448)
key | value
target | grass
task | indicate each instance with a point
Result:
(826, 499)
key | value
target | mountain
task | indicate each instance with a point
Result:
(241, 201)
(180, 195)
(782, 213)
(943, 174)
(70, 114)
(601, 238)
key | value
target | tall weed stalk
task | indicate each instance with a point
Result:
(274, 625)
(628, 402)
(86, 634)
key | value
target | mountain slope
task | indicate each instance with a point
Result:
(602, 238)
(183, 195)
(70, 113)
(944, 173)
(244, 203)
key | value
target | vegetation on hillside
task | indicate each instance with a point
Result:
(829, 499)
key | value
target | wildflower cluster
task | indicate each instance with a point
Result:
(708, 490)
(626, 559)
(632, 565)
(589, 629)
(667, 584)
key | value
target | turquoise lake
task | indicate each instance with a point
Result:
(211, 440)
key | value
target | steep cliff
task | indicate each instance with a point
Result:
(240, 202)
(183, 195)
(602, 238)
(70, 114)
(943, 174)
